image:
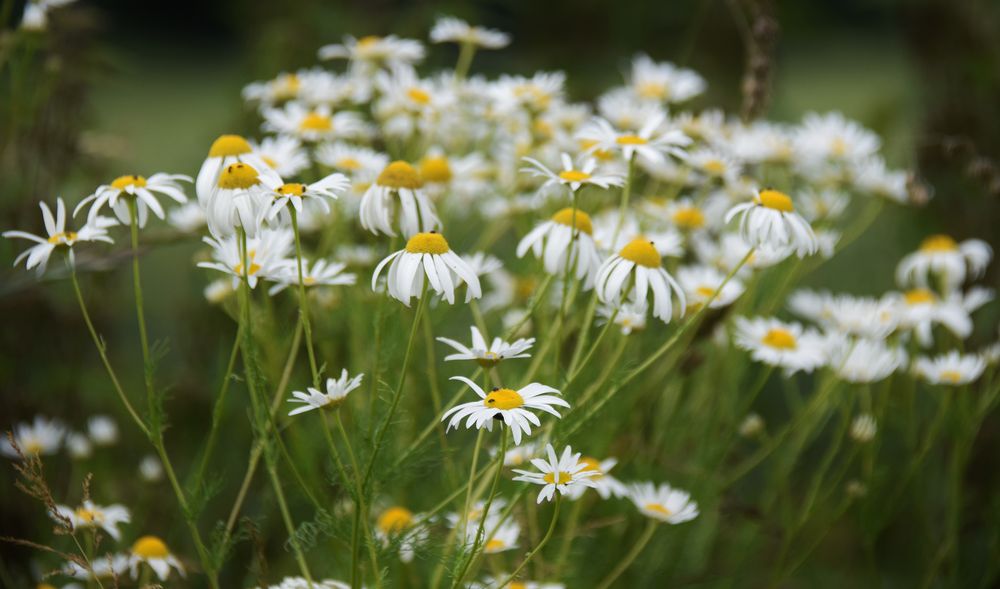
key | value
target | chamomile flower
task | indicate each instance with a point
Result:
(517, 455)
(58, 237)
(351, 159)
(91, 515)
(920, 309)
(293, 194)
(449, 29)
(188, 218)
(777, 343)
(372, 52)
(241, 199)
(399, 524)
(399, 180)
(700, 283)
(108, 566)
(427, 254)
(664, 82)
(336, 391)
(636, 268)
(606, 485)
(314, 124)
(558, 475)
(494, 581)
(488, 355)
(303, 583)
(833, 137)
(630, 316)
(663, 502)
(572, 175)
(941, 257)
(501, 536)
(623, 109)
(770, 220)
(319, 273)
(506, 405)
(682, 213)
(553, 240)
(869, 317)
(153, 552)
(267, 255)
(714, 164)
(951, 369)
(225, 151)
(863, 360)
(78, 446)
(40, 438)
(139, 189)
(872, 176)
(650, 143)
(283, 154)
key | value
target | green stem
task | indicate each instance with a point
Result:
(139, 306)
(644, 539)
(478, 541)
(539, 546)
(360, 524)
(465, 54)
(286, 516)
(219, 406)
(303, 301)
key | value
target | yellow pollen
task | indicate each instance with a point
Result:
(838, 146)
(505, 399)
(315, 122)
(427, 243)
(150, 547)
(705, 291)
(574, 176)
(229, 145)
(399, 174)
(122, 182)
(779, 338)
(592, 464)
(642, 252)
(59, 237)
(32, 447)
(714, 167)
(543, 128)
(348, 163)
(938, 243)
(772, 199)
(394, 520)
(689, 218)
(658, 508)
(238, 177)
(435, 169)
(630, 140)
(489, 359)
(288, 86)
(309, 280)
(89, 515)
(564, 478)
(524, 286)
(254, 269)
(583, 223)
(494, 545)
(918, 296)
(419, 96)
(652, 90)
(517, 585)
(952, 376)
(270, 161)
(368, 41)
(292, 189)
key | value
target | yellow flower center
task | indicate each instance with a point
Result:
(918, 296)
(642, 252)
(838, 146)
(489, 359)
(292, 189)
(494, 545)
(287, 87)
(574, 176)
(150, 547)
(123, 182)
(89, 515)
(32, 447)
(517, 585)
(952, 376)
(714, 167)
(229, 145)
(504, 399)
(368, 41)
(348, 163)
(630, 140)
(309, 280)
(254, 267)
(59, 237)
(238, 176)
(938, 243)
(592, 464)
(427, 243)
(689, 218)
(564, 478)
(658, 508)
(652, 90)
(394, 520)
(419, 96)
(779, 338)
(435, 169)
(316, 122)
(778, 201)
(270, 161)
(524, 286)
(543, 128)
(566, 216)
(399, 174)
(705, 291)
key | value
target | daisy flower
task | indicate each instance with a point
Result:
(834, 137)
(225, 151)
(943, 258)
(78, 446)
(865, 360)
(623, 109)
(493, 582)
(415, 211)
(187, 218)
(512, 94)
(700, 283)
(637, 266)
(571, 175)
(502, 538)
(295, 193)
(91, 515)
(284, 154)
(399, 524)
(320, 273)
(314, 124)
(138, 188)
(777, 343)
(951, 369)
(664, 82)
(153, 552)
(868, 317)
(770, 220)
(553, 240)
(109, 567)
(303, 583)
(507, 405)
(267, 255)
(663, 502)
(427, 254)
(241, 199)
(488, 355)
(58, 237)
(517, 455)
(920, 309)
(449, 29)
(351, 159)
(285, 86)
(368, 53)
(649, 143)
(714, 164)
(558, 475)
(102, 430)
(36, 13)
(606, 485)
(336, 391)
(41, 438)
(872, 176)
(684, 214)
(631, 315)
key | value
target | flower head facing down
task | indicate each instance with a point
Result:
(508, 406)
(449, 29)
(336, 391)
(58, 237)
(558, 474)
(398, 191)
(427, 256)
(153, 552)
(770, 220)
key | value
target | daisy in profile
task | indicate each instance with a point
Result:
(506, 405)
(557, 475)
(606, 485)
(664, 82)
(630, 316)
(650, 143)
(91, 515)
(314, 124)
(865, 360)
(488, 355)
(700, 283)
(663, 502)
(920, 309)
(225, 151)
(153, 552)
(267, 252)
(41, 438)
(294, 194)
(241, 199)
(637, 270)
(427, 254)
(121, 190)
(283, 87)
(777, 343)
(502, 538)
(770, 220)
(834, 137)
(399, 180)
(372, 52)
(941, 257)
(869, 317)
(350, 159)
(58, 237)
(336, 391)
(319, 273)
(399, 525)
(449, 29)
(951, 369)
(553, 240)
(572, 175)
(107, 567)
